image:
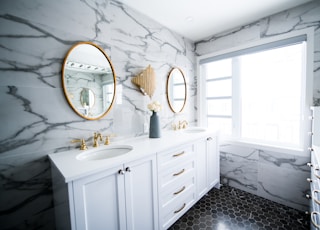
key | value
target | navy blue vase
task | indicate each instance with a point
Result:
(154, 131)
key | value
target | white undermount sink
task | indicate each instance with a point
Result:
(195, 130)
(104, 153)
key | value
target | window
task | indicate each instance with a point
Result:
(219, 94)
(256, 95)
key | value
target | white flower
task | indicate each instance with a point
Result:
(154, 106)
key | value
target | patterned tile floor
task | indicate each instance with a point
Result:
(233, 209)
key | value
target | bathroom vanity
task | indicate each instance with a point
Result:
(149, 185)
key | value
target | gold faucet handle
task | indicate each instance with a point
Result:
(174, 126)
(83, 145)
(185, 124)
(107, 142)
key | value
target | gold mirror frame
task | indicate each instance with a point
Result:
(170, 87)
(69, 96)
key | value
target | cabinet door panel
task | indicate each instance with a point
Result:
(202, 177)
(213, 163)
(98, 202)
(141, 194)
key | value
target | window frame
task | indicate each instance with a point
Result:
(307, 94)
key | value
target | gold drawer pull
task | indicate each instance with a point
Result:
(314, 196)
(180, 209)
(181, 190)
(312, 219)
(178, 154)
(178, 173)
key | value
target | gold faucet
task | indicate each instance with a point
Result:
(83, 145)
(174, 126)
(96, 137)
(183, 124)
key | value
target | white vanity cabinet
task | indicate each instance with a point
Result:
(185, 174)
(123, 197)
(141, 194)
(208, 170)
(176, 183)
(99, 201)
(150, 187)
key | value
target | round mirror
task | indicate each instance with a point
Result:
(176, 90)
(89, 81)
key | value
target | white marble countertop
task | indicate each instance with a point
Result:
(73, 169)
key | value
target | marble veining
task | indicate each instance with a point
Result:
(276, 176)
(282, 160)
(37, 120)
(238, 168)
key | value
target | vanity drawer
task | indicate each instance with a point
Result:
(176, 183)
(176, 209)
(174, 156)
(172, 192)
(172, 175)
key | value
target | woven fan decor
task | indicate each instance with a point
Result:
(146, 81)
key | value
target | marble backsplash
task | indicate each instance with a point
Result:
(36, 118)
(276, 176)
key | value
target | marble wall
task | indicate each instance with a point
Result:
(36, 120)
(280, 177)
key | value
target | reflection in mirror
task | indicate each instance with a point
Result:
(176, 90)
(88, 80)
(87, 100)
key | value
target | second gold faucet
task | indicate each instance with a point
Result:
(96, 138)
(181, 125)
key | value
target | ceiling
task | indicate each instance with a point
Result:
(199, 19)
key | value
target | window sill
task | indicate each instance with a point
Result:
(265, 147)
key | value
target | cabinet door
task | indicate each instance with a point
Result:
(99, 201)
(201, 167)
(213, 162)
(141, 194)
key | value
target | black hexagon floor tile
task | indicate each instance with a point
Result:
(229, 208)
